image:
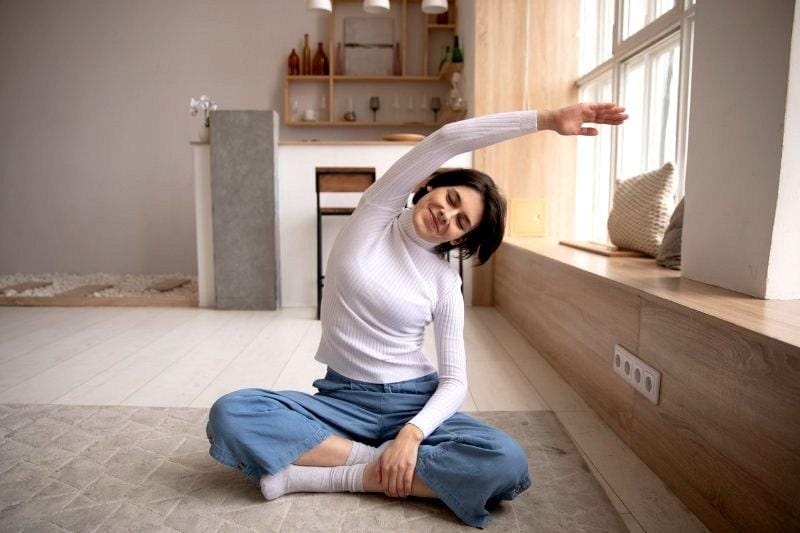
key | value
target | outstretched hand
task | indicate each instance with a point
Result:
(570, 120)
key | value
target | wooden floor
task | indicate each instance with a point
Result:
(189, 357)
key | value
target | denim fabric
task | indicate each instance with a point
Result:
(466, 462)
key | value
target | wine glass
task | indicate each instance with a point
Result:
(374, 104)
(436, 105)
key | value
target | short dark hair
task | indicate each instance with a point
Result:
(486, 237)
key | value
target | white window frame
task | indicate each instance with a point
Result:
(679, 19)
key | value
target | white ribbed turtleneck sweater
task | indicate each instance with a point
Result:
(384, 283)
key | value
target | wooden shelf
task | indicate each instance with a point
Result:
(308, 78)
(341, 85)
(362, 123)
(387, 78)
(366, 78)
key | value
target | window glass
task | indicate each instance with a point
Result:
(597, 23)
(648, 139)
(662, 131)
(594, 171)
(631, 134)
(639, 13)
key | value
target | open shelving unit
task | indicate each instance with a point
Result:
(418, 79)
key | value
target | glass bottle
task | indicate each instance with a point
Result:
(306, 60)
(445, 58)
(339, 67)
(458, 57)
(319, 67)
(397, 62)
(294, 63)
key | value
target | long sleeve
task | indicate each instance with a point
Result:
(448, 326)
(392, 190)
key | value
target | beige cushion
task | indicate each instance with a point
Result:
(642, 206)
(669, 255)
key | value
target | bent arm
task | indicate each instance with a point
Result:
(392, 190)
(448, 327)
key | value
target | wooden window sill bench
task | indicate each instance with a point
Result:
(778, 319)
(724, 435)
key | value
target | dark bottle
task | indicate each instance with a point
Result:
(294, 64)
(457, 55)
(306, 59)
(319, 67)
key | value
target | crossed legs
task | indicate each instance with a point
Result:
(334, 451)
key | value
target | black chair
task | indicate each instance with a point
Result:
(336, 180)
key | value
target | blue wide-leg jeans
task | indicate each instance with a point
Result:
(466, 462)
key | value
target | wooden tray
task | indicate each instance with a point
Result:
(609, 250)
(403, 137)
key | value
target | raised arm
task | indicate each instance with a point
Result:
(392, 190)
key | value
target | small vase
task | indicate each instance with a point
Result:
(204, 133)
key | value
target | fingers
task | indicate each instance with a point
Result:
(409, 480)
(393, 483)
(591, 132)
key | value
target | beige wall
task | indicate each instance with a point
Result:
(95, 166)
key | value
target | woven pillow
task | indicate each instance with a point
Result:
(642, 206)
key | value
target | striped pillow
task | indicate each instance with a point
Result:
(642, 206)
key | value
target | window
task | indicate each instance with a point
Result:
(646, 68)
(639, 13)
(594, 171)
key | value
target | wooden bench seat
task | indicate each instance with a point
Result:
(725, 435)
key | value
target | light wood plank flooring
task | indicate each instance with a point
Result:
(179, 357)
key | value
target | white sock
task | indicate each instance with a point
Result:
(360, 453)
(380, 449)
(295, 478)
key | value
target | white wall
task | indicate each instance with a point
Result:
(783, 278)
(734, 170)
(95, 166)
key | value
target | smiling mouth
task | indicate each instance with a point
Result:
(433, 222)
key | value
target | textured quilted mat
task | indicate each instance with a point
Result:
(81, 468)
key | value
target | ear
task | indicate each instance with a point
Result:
(429, 188)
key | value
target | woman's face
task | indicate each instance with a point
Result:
(445, 214)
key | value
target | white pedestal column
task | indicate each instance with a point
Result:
(205, 231)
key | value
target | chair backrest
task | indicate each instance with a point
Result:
(339, 179)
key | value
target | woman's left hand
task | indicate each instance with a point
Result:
(399, 461)
(570, 120)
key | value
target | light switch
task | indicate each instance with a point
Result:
(528, 218)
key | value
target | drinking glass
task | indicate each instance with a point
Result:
(374, 104)
(436, 105)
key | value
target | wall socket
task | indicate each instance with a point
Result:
(643, 377)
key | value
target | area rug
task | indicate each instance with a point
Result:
(81, 468)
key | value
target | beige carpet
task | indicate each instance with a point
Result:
(79, 468)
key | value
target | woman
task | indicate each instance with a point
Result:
(386, 280)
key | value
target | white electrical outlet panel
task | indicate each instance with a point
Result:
(641, 376)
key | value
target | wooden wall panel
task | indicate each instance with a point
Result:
(725, 436)
(543, 35)
(574, 321)
(726, 433)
